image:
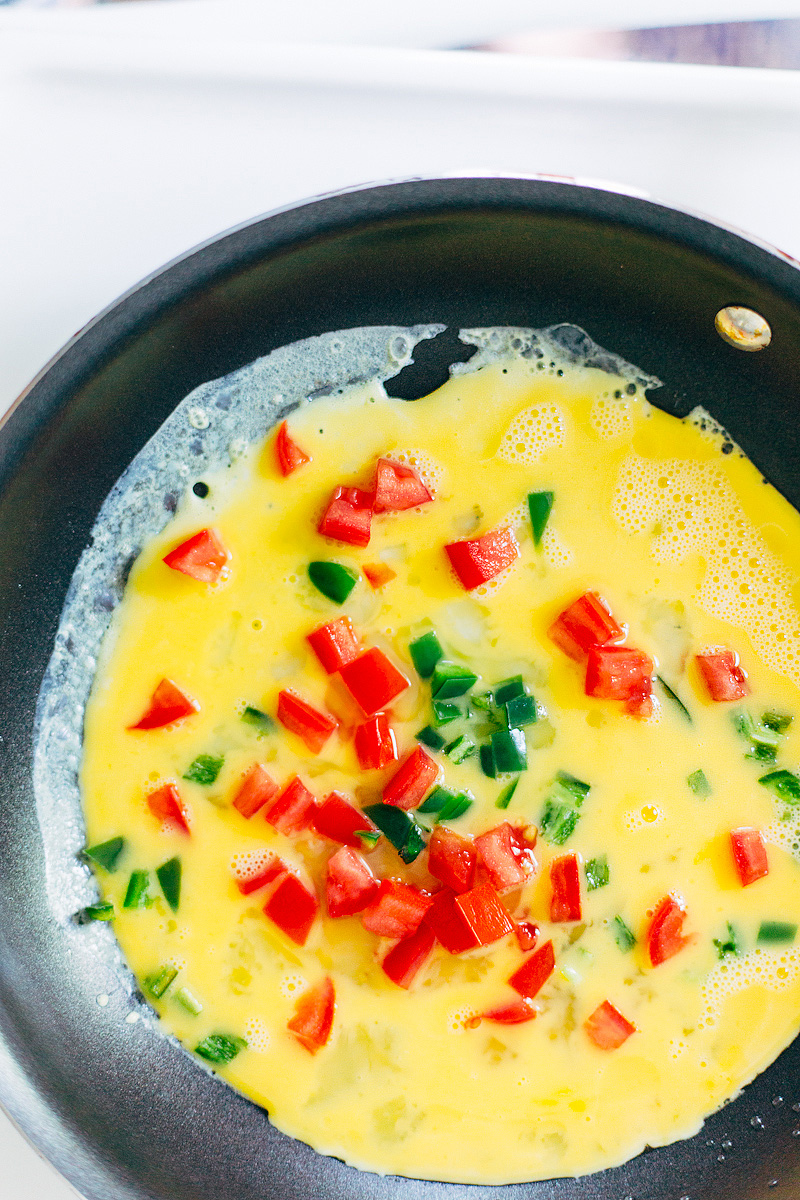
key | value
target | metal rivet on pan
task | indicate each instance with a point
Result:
(743, 328)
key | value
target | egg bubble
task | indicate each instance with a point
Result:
(641, 818)
(459, 1019)
(555, 552)
(611, 418)
(784, 831)
(535, 430)
(292, 986)
(772, 969)
(691, 508)
(430, 472)
(257, 1035)
(246, 864)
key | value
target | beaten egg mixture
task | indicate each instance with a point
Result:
(683, 542)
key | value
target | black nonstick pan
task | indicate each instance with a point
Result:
(122, 1113)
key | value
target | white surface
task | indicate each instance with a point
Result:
(128, 136)
(417, 23)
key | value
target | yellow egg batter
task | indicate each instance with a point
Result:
(690, 549)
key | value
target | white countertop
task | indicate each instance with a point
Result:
(129, 141)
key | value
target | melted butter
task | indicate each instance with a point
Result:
(406, 1085)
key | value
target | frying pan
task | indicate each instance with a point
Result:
(123, 1113)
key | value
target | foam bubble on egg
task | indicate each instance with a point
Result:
(257, 1035)
(292, 986)
(535, 430)
(772, 969)
(611, 417)
(430, 472)
(691, 508)
(677, 1047)
(493, 585)
(246, 864)
(460, 1018)
(518, 519)
(784, 831)
(556, 553)
(644, 817)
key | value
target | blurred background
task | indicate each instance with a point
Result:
(132, 130)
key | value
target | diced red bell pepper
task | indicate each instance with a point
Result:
(448, 924)
(312, 727)
(294, 809)
(665, 936)
(378, 574)
(587, 622)
(530, 978)
(348, 516)
(335, 644)
(251, 878)
(202, 556)
(292, 907)
(167, 704)
(397, 910)
(452, 858)
(313, 1016)
(166, 804)
(506, 855)
(338, 819)
(479, 559)
(722, 675)
(290, 456)
(527, 935)
(373, 681)
(607, 1027)
(485, 914)
(349, 883)
(514, 1012)
(618, 673)
(475, 918)
(405, 960)
(641, 705)
(398, 487)
(750, 855)
(257, 790)
(412, 781)
(565, 879)
(375, 743)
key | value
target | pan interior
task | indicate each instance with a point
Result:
(464, 253)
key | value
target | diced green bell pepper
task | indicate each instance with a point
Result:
(333, 580)
(105, 854)
(785, 785)
(772, 933)
(597, 873)
(451, 680)
(509, 689)
(429, 737)
(425, 653)
(136, 894)
(220, 1048)
(158, 983)
(460, 749)
(521, 711)
(261, 721)
(699, 784)
(169, 877)
(400, 829)
(540, 505)
(509, 751)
